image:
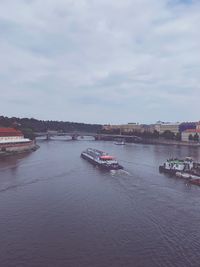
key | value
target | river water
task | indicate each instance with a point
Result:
(56, 209)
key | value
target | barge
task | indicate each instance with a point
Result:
(101, 159)
(182, 168)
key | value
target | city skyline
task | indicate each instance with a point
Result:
(100, 61)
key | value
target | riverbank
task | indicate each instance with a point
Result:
(18, 150)
(150, 141)
(169, 142)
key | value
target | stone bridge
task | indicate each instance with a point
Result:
(74, 135)
(97, 136)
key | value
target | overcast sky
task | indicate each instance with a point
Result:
(100, 61)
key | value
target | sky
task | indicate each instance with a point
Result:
(100, 61)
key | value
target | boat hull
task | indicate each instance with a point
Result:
(162, 169)
(195, 181)
(102, 166)
(185, 169)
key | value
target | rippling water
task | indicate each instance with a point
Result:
(58, 210)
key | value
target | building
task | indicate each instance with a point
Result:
(131, 127)
(124, 128)
(148, 128)
(198, 125)
(10, 135)
(190, 134)
(12, 140)
(187, 125)
(109, 127)
(161, 127)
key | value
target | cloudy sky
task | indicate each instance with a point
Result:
(100, 61)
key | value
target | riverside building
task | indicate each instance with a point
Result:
(124, 128)
(12, 140)
(190, 134)
(185, 136)
(161, 127)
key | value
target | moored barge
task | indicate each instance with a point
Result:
(101, 159)
(182, 168)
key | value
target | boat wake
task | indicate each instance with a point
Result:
(119, 172)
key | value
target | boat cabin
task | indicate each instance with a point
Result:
(107, 157)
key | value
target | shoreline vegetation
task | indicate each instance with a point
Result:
(29, 126)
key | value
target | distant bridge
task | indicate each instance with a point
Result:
(74, 135)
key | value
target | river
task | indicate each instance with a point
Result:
(56, 209)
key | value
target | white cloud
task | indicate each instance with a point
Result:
(100, 61)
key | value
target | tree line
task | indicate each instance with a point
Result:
(30, 125)
(194, 138)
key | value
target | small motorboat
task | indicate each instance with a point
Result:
(120, 142)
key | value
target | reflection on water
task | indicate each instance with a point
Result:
(59, 210)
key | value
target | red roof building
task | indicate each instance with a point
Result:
(13, 140)
(8, 132)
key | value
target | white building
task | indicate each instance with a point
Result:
(161, 127)
(11, 135)
(124, 128)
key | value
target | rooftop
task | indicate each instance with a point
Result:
(9, 132)
(192, 131)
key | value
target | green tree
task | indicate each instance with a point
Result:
(191, 138)
(178, 136)
(168, 135)
(28, 133)
(196, 137)
(156, 134)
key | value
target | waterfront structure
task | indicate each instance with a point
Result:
(185, 129)
(124, 128)
(162, 127)
(190, 135)
(131, 127)
(10, 135)
(187, 125)
(198, 125)
(148, 128)
(12, 140)
(109, 127)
